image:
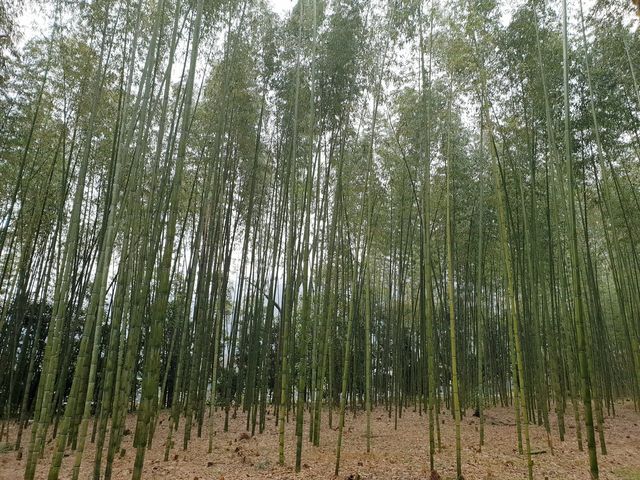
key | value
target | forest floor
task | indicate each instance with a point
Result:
(395, 454)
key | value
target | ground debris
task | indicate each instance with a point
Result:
(397, 454)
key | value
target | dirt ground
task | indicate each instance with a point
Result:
(395, 454)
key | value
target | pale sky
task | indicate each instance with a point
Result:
(281, 6)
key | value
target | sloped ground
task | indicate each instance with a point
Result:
(396, 454)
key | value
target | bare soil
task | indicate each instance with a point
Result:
(400, 453)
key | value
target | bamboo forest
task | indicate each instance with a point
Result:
(290, 239)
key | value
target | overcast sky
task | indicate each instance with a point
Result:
(281, 6)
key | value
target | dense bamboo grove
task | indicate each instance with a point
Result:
(418, 204)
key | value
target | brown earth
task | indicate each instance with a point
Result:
(396, 454)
